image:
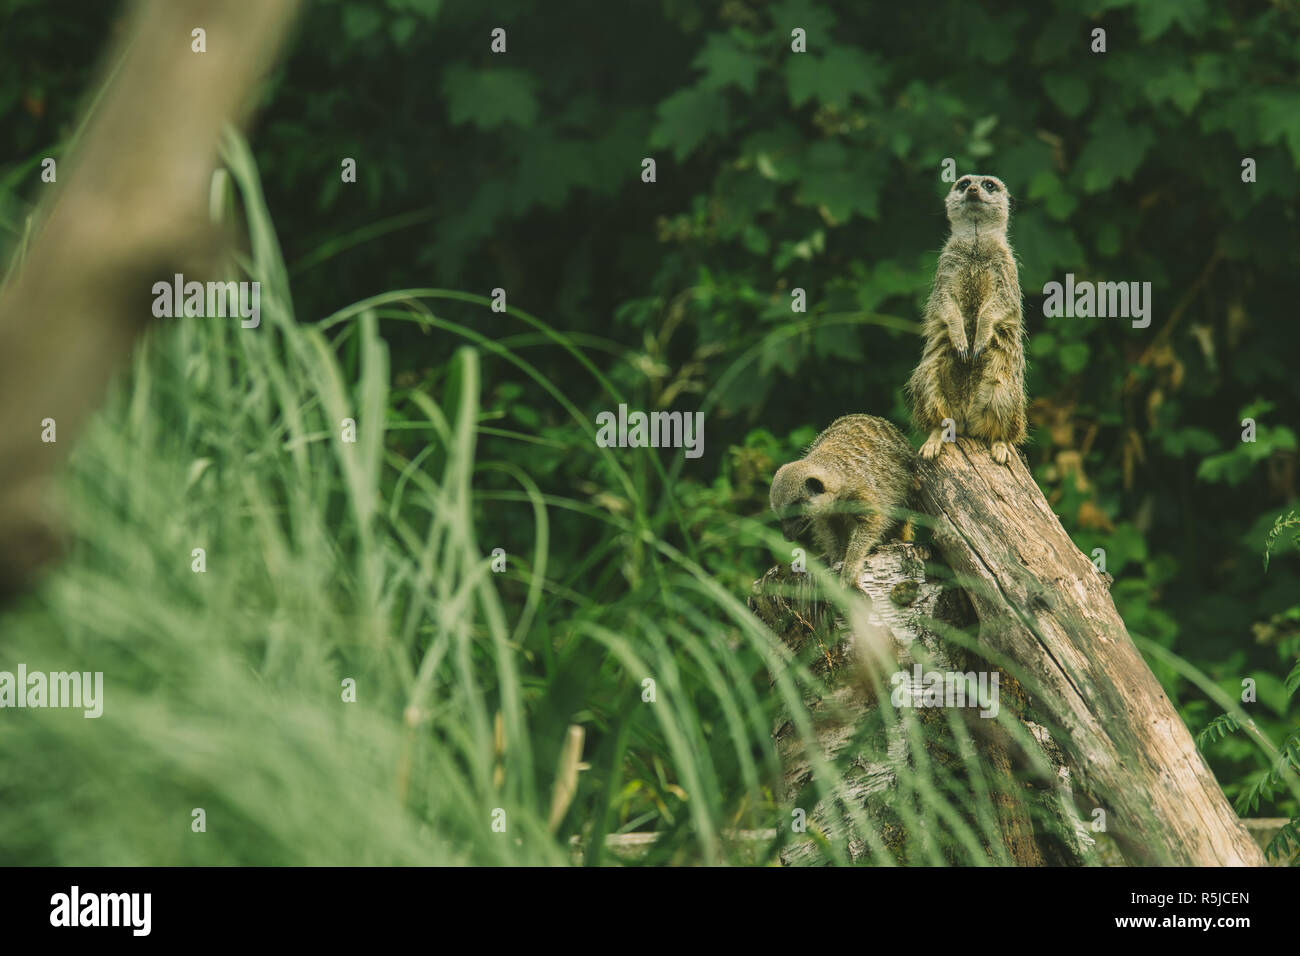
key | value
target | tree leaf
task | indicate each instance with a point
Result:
(1068, 91)
(1113, 153)
(834, 78)
(489, 98)
(726, 64)
(687, 118)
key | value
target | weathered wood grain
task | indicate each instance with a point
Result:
(908, 608)
(1044, 608)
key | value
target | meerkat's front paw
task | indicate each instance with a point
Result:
(933, 445)
(1001, 452)
(959, 345)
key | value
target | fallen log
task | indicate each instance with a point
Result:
(1021, 813)
(1046, 610)
(1101, 735)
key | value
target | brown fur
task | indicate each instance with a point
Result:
(850, 488)
(972, 368)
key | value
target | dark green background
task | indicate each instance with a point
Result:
(819, 171)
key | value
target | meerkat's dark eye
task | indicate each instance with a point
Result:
(962, 183)
(814, 486)
(990, 186)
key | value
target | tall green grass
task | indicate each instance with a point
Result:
(329, 561)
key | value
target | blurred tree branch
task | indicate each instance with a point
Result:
(128, 210)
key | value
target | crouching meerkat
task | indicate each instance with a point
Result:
(850, 489)
(972, 368)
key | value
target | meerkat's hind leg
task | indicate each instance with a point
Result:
(985, 323)
(999, 418)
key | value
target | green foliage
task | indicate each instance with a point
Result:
(1217, 729)
(1236, 466)
(1283, 523)
(1282, 774)
(777, 171)
(1285, 842)
(331, 561)
(489, 98)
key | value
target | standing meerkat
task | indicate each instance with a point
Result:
(972, 369)
(850, 488)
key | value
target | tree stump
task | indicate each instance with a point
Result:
(1090, 728)
(1046, 610)
(1028, 819)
